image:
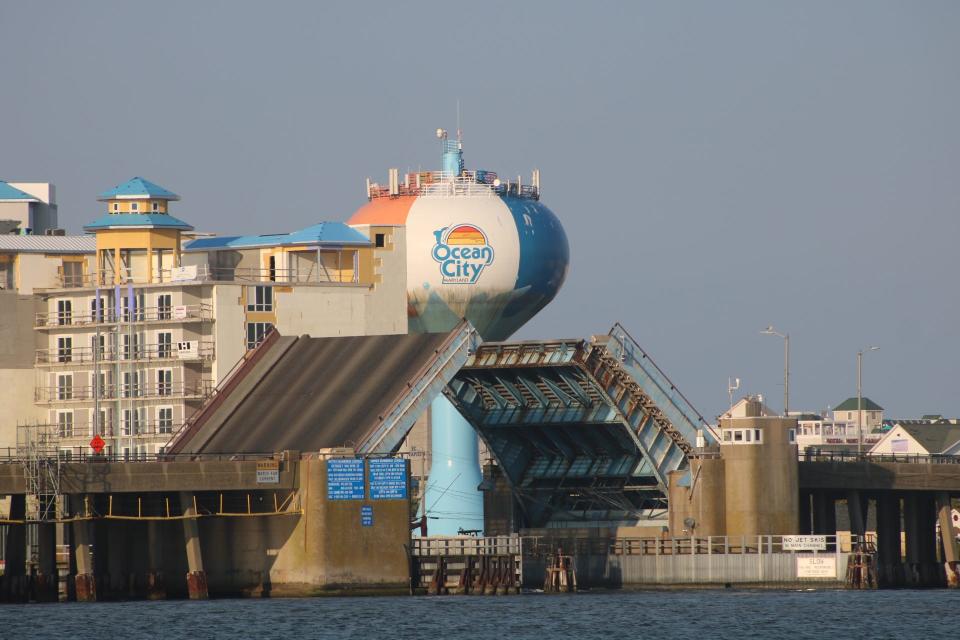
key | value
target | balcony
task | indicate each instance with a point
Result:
(109, 317)
(346, 271)
(80, 435)
(204, 352)
(108, 393)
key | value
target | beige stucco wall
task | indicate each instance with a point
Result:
(17, 349)
(36, 271)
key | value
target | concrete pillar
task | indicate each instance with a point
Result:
(889, 567)
(919, 515)
(46, 583)
(155, 586)
(857, 510)
(948, 539)
(806, 513)
(196, 576)
(825, 516)
(85, 583)
(14, 580)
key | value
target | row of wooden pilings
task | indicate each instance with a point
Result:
(107, 560)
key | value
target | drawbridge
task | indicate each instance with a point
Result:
(583, 430)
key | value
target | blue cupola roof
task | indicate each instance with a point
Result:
(137, 221)
(138, 188)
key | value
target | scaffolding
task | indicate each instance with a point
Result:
(38, 451)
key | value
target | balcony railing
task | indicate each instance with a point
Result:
(79, 435)
(316, 273)
(444, 183)
(109, 316)
(112, 354)
(111, 392)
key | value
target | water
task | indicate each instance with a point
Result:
(645, 614)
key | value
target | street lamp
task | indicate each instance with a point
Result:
(860, 399)
(770, 331)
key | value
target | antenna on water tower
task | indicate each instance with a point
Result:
(732, 385)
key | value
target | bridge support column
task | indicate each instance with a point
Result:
(919, 519)
(948, 539)
(825, 516)
(889, 565)
(14, 579)
(857, 510)
(155, 586)
(806, 513)
(196, 577)
(84, 582)
(46, 584)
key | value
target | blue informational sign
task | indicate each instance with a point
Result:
(388, 479)
(345, 479)
(366, 516)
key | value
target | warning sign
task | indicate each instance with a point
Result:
(268, 472)
(816, 566)
(97, 444)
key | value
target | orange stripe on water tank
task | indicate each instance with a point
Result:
(384, 211)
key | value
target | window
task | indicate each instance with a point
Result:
(751, 436)
(792, 436)
(164, 344)
(727, 435)
(64, 349)
(99, 385)
(164, 382)
(738, 436)
(131, 346)
(98, 346)
(66, 455)
(133, 422)
(102, 426)
(165, 420)
(134, 206)
(72, 273)
(164, 307)
(64, 312)
(116, 206)
(256, 332)
(380, 240)
(155, 206)
(65, 386)
(65, 424)
(260, 299)
(131, 384)
(137, 312)
(756, 435)
(97, 309)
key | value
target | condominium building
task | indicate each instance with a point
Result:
(134, 338)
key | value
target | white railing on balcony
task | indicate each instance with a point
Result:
(111, 354)
(109, 315)
(141, 391)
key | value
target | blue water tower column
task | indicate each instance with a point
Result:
(451, 501)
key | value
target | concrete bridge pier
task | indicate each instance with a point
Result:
(196, 576)
(919, 518)
(156, 589)
(948, 541)
(825, 515)
(46, 587)
(889, 562)
(14, 581)
(857, 506)
(85, 584)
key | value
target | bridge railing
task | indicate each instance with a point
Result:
(738, 545)
(853, 456)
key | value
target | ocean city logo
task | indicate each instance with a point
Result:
(463, 252)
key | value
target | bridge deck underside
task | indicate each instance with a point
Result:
(571, 431)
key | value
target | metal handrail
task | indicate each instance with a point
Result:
(109, 316)
(664, 381)
(736, 545)
(142, 391)
(150, 351)
(853, 456)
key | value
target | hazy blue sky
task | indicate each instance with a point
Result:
(718, 166)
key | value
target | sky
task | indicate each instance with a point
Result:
(718, 166)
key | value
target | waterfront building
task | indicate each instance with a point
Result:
(134, 335)
(28, 208)
(919, 438)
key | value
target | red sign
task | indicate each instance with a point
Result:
(97, 444)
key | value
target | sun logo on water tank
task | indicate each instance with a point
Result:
(463, 252)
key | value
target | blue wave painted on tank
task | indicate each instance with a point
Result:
(544, 261)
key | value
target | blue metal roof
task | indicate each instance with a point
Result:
(12, 193)
(321, 233)
(134, 220)
(139, 187)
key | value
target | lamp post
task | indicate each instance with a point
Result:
(860, 399)
(770, 331)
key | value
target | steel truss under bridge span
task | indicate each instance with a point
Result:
(583, 430)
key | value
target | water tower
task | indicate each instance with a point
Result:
(482, 247)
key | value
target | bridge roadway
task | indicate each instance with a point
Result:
(210, 473)
(870, 475)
